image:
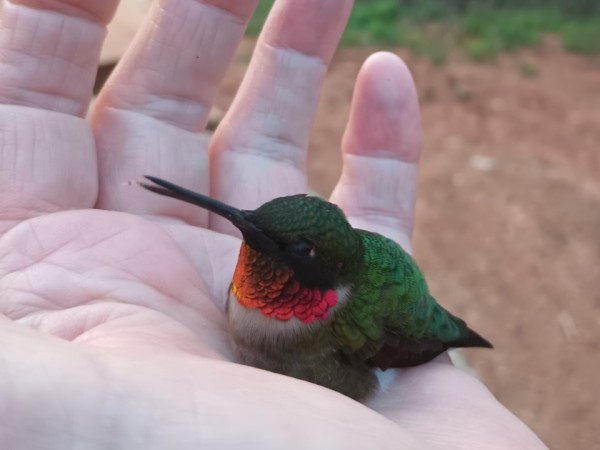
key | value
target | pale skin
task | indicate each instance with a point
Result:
(112, 331)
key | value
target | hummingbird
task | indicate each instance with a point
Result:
(316, 299)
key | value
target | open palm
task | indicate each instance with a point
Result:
(112, 298)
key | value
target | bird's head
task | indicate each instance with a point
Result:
(297, 252)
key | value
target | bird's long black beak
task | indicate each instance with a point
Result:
(238, 217)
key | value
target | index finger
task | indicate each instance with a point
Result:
(49, 53)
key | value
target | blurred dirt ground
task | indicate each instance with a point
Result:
(508, 217)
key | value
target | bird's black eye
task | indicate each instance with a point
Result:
(302, 248)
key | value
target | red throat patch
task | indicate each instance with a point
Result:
(274, 292)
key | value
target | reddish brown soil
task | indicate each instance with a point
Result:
(508, 220)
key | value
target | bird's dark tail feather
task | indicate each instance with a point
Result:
(472, 339)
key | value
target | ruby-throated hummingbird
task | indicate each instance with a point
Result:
(316, 299)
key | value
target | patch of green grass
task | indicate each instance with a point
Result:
(437, 53)
(488, 33)
(427, 11)
(482, 49)
(509, 30)
(373, 23)
(582, 37)
(259, 17)
(528, 69)
(420, 43)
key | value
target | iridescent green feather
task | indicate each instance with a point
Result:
(391, 307)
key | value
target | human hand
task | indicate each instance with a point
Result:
(113, 333)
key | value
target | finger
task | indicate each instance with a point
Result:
(381, 148)
(48, 57)
(50, 51)
(148, 116)
(259, 151)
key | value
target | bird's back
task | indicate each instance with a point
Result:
(391, 320)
